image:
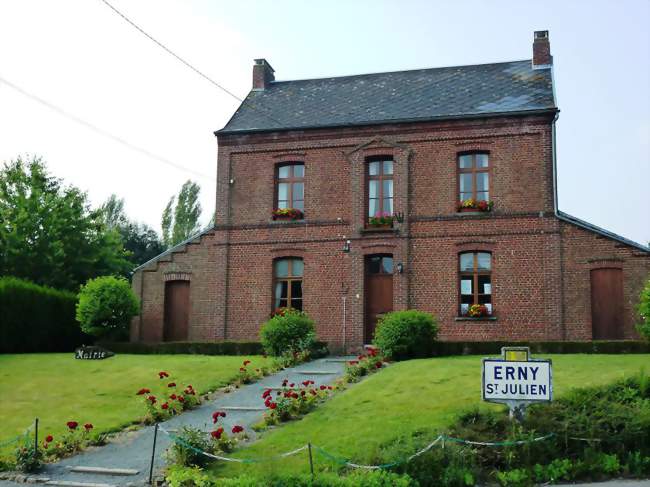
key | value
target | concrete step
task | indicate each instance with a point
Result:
(103, 470)
(319, 372)
(241, 408)
(69, 483)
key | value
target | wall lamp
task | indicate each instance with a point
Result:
(400, 268)
(346, 246)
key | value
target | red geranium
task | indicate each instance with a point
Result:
(88, 426)
(237, 429)
(173, 396)
(143, 391)
(272, 405)
(285, 382)
(49, 439)
(378, 365)
(165, 406)
(152, 399)
(242, 369)
(246, 362)
(292, 385)
(181, 399)
(72, 425)
(353, 362)
(171, 384)
(322, 388)
(162, 374)
(216, 415)
(216, 434)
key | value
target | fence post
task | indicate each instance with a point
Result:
(311, 460)
(153, 453)
(36, 438)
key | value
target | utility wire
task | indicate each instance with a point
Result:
(103, 132)
(186, 63)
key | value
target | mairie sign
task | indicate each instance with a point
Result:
(515, 379)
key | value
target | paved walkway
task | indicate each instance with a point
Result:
(133, 450)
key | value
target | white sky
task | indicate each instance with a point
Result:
(82, 57)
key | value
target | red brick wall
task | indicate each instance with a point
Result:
(540, 265)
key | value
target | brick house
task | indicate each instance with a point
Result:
(461, 161)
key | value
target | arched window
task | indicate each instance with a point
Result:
(287, 283)
(474, 176)
(475, 280)
(379, 184)
(290, 186)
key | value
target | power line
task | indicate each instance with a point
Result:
(103, 132)
(186, 63)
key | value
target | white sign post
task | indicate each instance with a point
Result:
(517, 380)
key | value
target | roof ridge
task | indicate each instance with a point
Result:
(399, 71)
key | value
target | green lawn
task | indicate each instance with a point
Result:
(57, 388)
(416, 398)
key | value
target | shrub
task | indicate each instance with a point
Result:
(644, 312)
(185, 449)
(406, 334)
(106, 306)
(37, 318)
(288, 331)
(29, 458)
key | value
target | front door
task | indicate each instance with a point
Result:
(607, 304)
(379, 291)
(177, 311)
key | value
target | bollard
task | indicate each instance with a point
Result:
(153, 454)
(36, 438)
(311, 460)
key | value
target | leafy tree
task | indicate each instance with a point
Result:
(186, 214)
(644, 311)
(106, 306)
(140, 240)
(48, 233)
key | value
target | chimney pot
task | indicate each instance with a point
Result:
(541, 50)
(262, 74)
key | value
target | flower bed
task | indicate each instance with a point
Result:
(365, 364)
(291, 401)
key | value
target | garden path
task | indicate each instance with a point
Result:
(133, 450)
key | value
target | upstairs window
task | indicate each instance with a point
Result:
(379, 184)
(475, 281)
(474, 177)
(287, 283)
(290, 186)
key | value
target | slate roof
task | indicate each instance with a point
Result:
(400, 96)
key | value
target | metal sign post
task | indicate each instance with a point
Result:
(516, 380)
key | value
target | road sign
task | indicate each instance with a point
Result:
(516, 379)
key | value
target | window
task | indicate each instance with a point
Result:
(290, 186)
(474, 176)
(379, 182)
(475, 280)
(287, 283)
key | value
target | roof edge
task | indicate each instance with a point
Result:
(518, 113)
(198, 234)
(601, 231)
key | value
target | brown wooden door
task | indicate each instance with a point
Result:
(607, 304)
(177, 310)
(379, 291)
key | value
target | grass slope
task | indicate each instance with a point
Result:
(56, 388)
(409, 402)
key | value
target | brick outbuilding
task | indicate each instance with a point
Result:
(431, 189)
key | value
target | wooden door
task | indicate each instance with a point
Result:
(177, 310)
(607, 304)
(378, 291)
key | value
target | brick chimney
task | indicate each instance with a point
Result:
(262, 74)
(541, 50)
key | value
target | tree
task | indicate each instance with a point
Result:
(106, 306)
(140, 240)
(186, 214)
(48, 233)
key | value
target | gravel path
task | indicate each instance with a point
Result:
(133, 450)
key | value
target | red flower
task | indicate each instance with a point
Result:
(292, 385)
(322, 388)
(171, 384)
(246, 362)
(361, 357)
(72, 425)
(266, 393)
(88, 426)
(273, 405)
(305, 383)
(181, 399)
(285, 382)
(242, 369)
(165, 406)
(329, 388)
(152, 399)
(237, 429)
(216, 434)
(216, 415)
(378, 365)
(143, 391)
(173, 396)
(49, 438)
(313, 392)
(353, 362)
(302, 393)
(162, 374)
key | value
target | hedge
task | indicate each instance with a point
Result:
(37, 318)
(494, 348)
(198, 348)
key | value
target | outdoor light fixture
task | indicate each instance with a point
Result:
(346, 246)
(400, 267)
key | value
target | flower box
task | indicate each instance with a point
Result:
(478, 311)
(474, 205)
(287, 214)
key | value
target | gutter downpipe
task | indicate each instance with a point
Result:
(557, 216)
(344, 339)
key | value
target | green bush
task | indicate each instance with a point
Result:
(37, 318)
(289, 331)
(644, 312)
(106, 306)
(406, 334)
(185, 451)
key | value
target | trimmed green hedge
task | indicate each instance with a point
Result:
(198, 348)
(494, 348)
(37, 318)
